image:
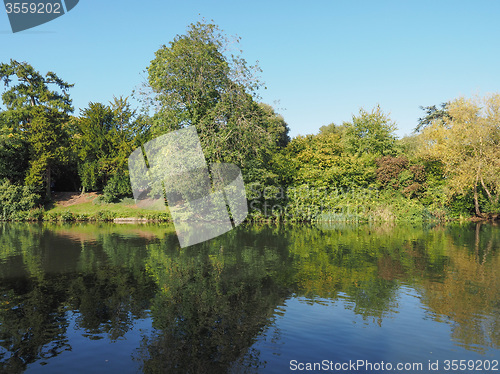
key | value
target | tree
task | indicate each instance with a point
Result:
(432, 113)
(38, 114)
(196, 82)
(190, 76)
(276, 125)
(370, 133)
(49, 145)
(31, 90)
(14, 155)
(468, 144)
(104, 137)
(93, 145)
(332, 128)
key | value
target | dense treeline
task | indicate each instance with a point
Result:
(358, 170)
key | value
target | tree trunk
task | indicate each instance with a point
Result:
(476, 200)
(486, 189)
(49, 182)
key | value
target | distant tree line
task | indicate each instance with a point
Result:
(449, 167)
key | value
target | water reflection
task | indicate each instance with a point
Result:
(223, 305)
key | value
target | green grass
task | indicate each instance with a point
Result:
(118, 210)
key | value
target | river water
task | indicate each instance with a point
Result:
(109, 298)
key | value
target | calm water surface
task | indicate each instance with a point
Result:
(99, 298)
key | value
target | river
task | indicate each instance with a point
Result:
(110, 298)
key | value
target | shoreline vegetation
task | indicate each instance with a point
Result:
(357, 171)
(91, 208)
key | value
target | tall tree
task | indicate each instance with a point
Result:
(432, 113)
(468, 144)
(49, 145)
(39, 114)
(195, 81)
(26, 89)
(93, 145)
(105, 135)
(14, 154)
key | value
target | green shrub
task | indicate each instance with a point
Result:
(36, 214)
(19, 215)
(160, 216)
(104, 215)
(82, 217)
(51, 216)
(14, 198)
(67, 216)
(117, 187)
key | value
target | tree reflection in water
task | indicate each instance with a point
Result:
(209, 303)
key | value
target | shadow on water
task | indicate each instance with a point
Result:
(209, 304)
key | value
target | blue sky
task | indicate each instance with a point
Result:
(322, 60)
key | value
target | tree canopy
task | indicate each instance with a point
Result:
(449, 166)
(197, 82)
(37, 114)
(467, 142)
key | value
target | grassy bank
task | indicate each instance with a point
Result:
(348, 207)
(88, 207)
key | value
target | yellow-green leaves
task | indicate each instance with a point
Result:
(468, 144)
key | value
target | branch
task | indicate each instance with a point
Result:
(486, 189)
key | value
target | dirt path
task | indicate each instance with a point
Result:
(73, 198)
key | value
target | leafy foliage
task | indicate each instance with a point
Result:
(104, 136)
(196, 82)
(117, 187)
(371, 133)
(14, 155)
(359, 170)
(15, 198)
(397, 173)
(40, 114)
(468, 145)
(29, 91)
(432, 114)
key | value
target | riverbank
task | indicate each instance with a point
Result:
(90, 207)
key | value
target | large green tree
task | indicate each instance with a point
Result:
(49, 146)
(36, 114)
(370, 133)
(195, 81)
(14, 155)
(432, 114)
(27, 89)
(104, 136)
(93, 145)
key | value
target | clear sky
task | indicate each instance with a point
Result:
(322, 60)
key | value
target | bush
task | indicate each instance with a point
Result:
(67, 216)
(82, 217)
(160, 216)
(36, 214)
(103, 215)
(19, 215)
(51, 216)
(14, 198)
(117, 187)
